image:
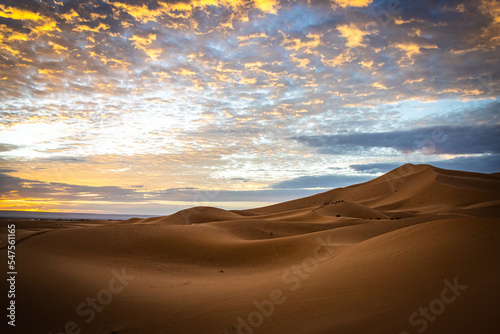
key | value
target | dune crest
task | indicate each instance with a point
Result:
(195, 215)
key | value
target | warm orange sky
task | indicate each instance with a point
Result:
(152, 106)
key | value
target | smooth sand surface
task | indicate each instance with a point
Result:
(416, 250)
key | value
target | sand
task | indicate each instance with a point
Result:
(416, 250)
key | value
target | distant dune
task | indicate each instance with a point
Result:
(415, 250)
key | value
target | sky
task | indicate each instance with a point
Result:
(149, 107)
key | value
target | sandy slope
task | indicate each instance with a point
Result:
(415, 250)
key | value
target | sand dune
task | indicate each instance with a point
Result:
(413, 251)
(349, 209)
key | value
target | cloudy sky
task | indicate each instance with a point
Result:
(138, 106)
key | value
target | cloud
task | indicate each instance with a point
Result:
(167, 94)
(352, 3)
(410, 50)
(353, 34)
(475, 139)
(378, 85)
(19, 14)
(267, 6)
(322, 182)
(143, 43)
(481, 164)
(8, 147)
(375, 168)
(28, 194)
(64, 160)
(195, 196)
(19, 188)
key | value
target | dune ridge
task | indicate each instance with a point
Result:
(361, 259)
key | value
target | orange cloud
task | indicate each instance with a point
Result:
(245, 38)
(30, 204)
(301, 62)
(411, 49)
(267, 6)
(58, 48)
(37, 23)
(8, 35)
(492, 31)
(100, 27)
(49, 72)
(352, 3)
(253, 65)
(353, 34)
(143, 44)
(379, 85)
(19, 14)
(296, 44)
(184, 10)
(413, 81)
(185, 72)
(248, 81)
(367, 64)
(9, 49)
(70, 16)
(341, 59)
(140, 13)
(49, 26)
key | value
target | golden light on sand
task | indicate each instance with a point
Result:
(420, 242)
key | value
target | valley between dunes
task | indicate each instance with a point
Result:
(415, 250)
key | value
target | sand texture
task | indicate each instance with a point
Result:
(416, 250)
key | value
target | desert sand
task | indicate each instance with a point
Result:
(416, 250)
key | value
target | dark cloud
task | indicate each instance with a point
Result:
(8, 147)
(276, 194)
(324, 181)
(429, 140)
(375, 168)
(7, 170)
(63, 159)
(24, 188)
(177, 190)
(9, 183)
(479, 164)
(240, 179)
